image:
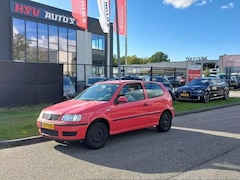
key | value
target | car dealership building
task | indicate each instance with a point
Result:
(36, 33)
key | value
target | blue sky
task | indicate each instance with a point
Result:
(179, 28)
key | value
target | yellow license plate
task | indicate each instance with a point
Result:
(48, 126)
(184, 94)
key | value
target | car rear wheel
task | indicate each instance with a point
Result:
(97, 135)
(165, 122)
(206, 97)
(226, 95)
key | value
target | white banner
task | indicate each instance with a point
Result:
(104, 12)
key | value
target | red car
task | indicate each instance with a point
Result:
(108, 108)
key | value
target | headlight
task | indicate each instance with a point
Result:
(40, 115)
(71, 117)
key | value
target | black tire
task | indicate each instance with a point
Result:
(226, 95)
(97, 135)
(206, 97)
(165, 122)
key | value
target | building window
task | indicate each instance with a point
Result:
(98, 51)
(42, 42)
(38, 42)
(31, 37)
(19, 40)
(98, 42)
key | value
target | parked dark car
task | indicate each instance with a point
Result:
(177, 80)
(165, 82)
(231, 80)
(203, 89)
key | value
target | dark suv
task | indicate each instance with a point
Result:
(203, 89)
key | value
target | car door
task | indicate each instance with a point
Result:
(214, 89)
(132, 114)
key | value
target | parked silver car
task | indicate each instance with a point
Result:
(69, 90)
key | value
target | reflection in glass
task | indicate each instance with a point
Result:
(94, 41)
(32, 52)
(53, 53)
(101, 43)
(63, 39)
(72, 37)
(42, 42)
(19, 39)
(31, 34)
(31, 30)
(53, 34)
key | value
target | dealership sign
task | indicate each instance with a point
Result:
(231, 61)
(33, 11)
(194, 71)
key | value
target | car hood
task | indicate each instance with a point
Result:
(73, 106)
(196, 87)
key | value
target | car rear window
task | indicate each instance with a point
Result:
(153, 90)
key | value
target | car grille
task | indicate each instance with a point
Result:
(49, 132)
(49, 116)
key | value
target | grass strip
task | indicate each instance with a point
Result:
(20, 122)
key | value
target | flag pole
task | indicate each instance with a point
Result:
(126, 61)
(108, 52)
(118, 48)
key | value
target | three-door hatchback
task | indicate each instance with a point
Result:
(108, 108)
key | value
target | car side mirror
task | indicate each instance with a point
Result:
(122, 99)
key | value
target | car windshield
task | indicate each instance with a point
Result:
(195, 82)
(98, 92)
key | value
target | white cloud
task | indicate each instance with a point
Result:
(204, 2)
(180, 3)
(230, 5)
(186, 3)
(15, 30)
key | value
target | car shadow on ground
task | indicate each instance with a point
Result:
(148, 151)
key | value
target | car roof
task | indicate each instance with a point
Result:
(120, 81)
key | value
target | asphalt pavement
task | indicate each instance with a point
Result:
(39, 139)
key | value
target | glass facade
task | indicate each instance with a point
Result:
(38, 42)
(99, 58)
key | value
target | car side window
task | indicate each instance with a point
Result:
(133, 92)
(153, 90)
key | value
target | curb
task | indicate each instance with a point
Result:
(22, 141)
(39, 139)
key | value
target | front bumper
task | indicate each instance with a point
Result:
(59, 131)
(189, 96)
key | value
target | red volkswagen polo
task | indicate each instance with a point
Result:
(108, 108)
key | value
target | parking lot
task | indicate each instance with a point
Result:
(199, 146)
(234, 93)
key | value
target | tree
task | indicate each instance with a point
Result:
(19, 46)
(159, 57)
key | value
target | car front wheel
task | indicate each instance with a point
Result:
(165, 122)
(226, 95)
(206, 97)
(97, 135)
